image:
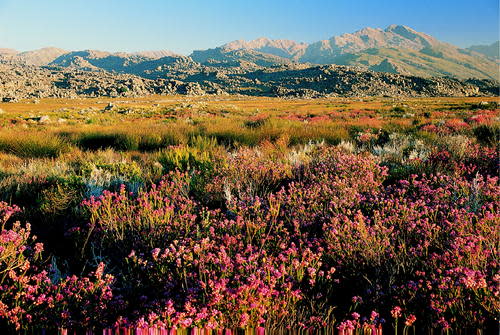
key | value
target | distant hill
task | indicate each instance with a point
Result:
(396, 49)
(5, 51)
(155, 54)
(492, 50)
(35, 57)
(244, 58)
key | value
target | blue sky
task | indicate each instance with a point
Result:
(184, 25)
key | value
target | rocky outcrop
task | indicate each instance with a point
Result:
(23, 82)
(388, 66)
(246, 59)
(289, 80)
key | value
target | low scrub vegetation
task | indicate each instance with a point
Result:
(346, 218)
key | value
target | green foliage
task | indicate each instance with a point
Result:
(185, 158)
(488, 134)
(155, 141)
(398, 110)
(117, 141)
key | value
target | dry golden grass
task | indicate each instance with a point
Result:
(240, 103)
(155, 122)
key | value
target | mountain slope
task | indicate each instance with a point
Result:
(233, 58)
(396, 49)
(6, 51)
(491, 51)
(401, 37)
(39, 57)
(409, 51)
(140, 63)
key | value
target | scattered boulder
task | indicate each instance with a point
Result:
(44, 119)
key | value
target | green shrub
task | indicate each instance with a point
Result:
(487, 134)
(117, 141)
(185, 158)
(398, 110)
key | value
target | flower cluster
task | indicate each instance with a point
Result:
(331, 239)
(27, 294)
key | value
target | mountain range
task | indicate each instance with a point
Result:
(395, 61)
(396, 49)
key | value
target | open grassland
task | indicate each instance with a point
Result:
(149, 124)
(232, 212)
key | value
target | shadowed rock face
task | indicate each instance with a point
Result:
(387, 66)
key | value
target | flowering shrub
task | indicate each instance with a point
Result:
(425, 244)
(251, 172)
(27, 294)
(451, 126)
(319, 237)
(437, 228)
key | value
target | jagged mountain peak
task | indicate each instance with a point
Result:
(399, 27)
(280, 47)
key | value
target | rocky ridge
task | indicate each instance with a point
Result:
(289, 80)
